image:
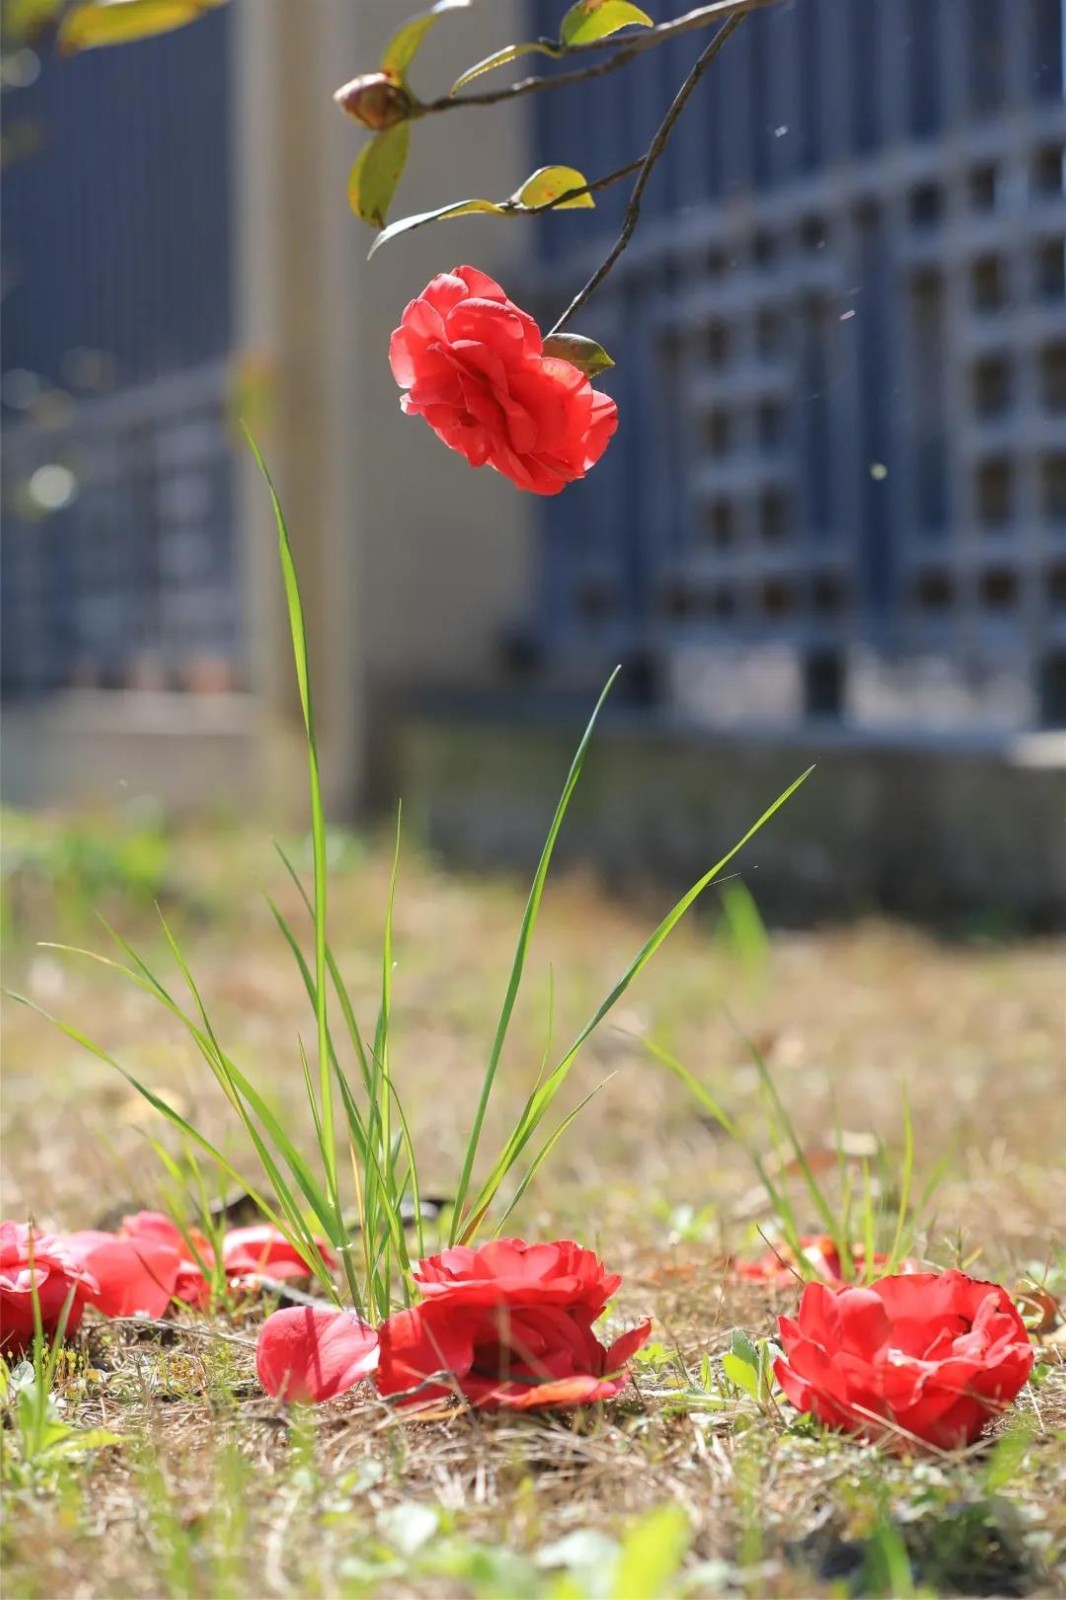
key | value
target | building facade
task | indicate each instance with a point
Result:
(839, 486)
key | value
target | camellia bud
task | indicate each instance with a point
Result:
(376, 100)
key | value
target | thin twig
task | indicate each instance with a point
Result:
(655, 150)
(633, 46)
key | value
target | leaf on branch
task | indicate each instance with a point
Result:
(579, 351)
(548, 183)
(406, 43)
(590, 20)
(378, 169)
(500, 58)
(458, 208)
(102, 22)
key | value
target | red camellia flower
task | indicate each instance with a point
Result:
(32, 1262)
(135, 1277)
(263, 1251)
(928, 1356)
(473, 365)
(195, 1255)
(508, 1325)
(511, 1272)
(248, 1254)
(780, 1268)
(501, 1357)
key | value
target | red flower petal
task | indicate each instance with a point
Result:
(135, 1277)
(314, 1353)
(264, 1249)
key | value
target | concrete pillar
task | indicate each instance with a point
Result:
(409, 561)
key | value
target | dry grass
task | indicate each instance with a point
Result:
(215, 1491)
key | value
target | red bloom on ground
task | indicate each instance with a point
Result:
(247, 1254)
(263, 1251)
(507, 1325)
(41, 1262)
(314, 1352)
(135, 1277)
(780, 1267)
(507, 1356)
(195, 1254)
(474, 367)
(929, 1356)
(511, 1272)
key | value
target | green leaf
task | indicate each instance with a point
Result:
(500, 58)
(590, 20)
(378, 169)
(548, 183)
(406, 43)
(651, 1554)
(458, 208)
(579, 351)
(738, 1372)
(103, 22)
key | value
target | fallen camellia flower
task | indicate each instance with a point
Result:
(38, 1263)
(196, 1256)
(926, 1356)
(134, 1277)
(819, 1252)
(500, 1357)
(508, 1325)
(248, 1254)
(473, 365)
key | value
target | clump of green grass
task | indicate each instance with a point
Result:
(355, 1101)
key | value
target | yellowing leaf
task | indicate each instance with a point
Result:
(377, 170)
(407, 41)
(500, 58)
(458, 208)
(590, 20)
(579, 351)
(101, 22)
(548, 183)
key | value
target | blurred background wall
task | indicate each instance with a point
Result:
(832, 525)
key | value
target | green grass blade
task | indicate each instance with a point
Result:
(896, 1252)
(695, 1087)
(545, 1151)
(540, 1100)
(298, 630)
(787, 1127)
(525, 935)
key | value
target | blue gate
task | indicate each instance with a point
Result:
(841, 342)
(119, 552)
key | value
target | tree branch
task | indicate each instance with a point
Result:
(655, 150)
(624, 52)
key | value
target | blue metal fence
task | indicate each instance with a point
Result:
(841, 332)
(119, 553)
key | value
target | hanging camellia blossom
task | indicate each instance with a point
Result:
(504, 1327)
(472, 364)
(927, 1357)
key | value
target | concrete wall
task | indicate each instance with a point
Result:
(937, 831)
